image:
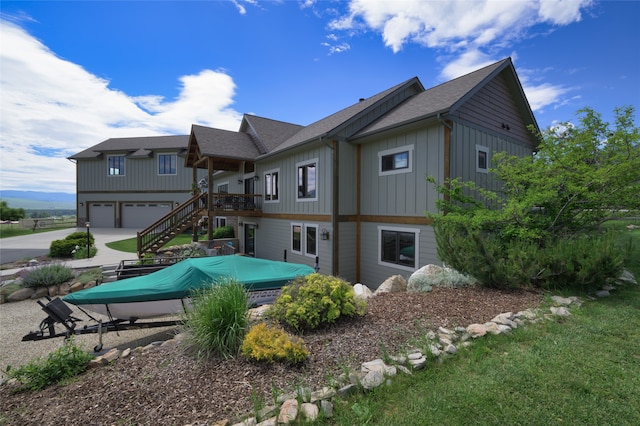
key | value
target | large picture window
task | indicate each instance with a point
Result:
(167, 164)
(115, 165)
(307, 181)
(271, 185)
(396, 160)
(398, 247)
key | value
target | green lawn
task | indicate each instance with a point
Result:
(130, 245)
(11, 230)
(584, 369)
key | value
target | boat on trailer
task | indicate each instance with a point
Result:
(166, 292)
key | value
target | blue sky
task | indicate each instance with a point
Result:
(78, 72)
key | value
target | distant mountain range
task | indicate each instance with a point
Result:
(39, 200)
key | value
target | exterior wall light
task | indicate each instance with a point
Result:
(324, 234)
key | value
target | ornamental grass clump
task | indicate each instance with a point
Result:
(47, 275)
(217, 321)
(271, 343)
(314, 301)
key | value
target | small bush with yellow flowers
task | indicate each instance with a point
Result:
(315, 300)
(272, 343)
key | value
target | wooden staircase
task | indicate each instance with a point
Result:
(151, 239)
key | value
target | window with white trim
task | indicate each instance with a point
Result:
(115, 165)
(271, 185)
(311, 240)
(398, 247)
(307, 180)
(296, 238)
(482, 159)
(304, 239)
(396, 160)
(167, 164)
(221, 221)
(223, 188)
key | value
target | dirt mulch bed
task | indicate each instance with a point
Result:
(166, 386)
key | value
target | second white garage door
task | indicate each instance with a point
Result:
(141, 215)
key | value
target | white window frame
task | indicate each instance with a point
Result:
(293, 225)
(409, 169)
(277, 188)
(218, 185)
(485, 150)
(124, 165)
(306, 240)
(176, 161)
(416, 246)
(303, 164)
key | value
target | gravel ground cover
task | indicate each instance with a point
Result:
(166, 386)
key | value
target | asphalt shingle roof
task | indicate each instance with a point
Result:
(438, 99)
(138, 146)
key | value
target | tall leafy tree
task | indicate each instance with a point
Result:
(580, 176)
(8, 213)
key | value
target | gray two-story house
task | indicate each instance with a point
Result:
(348, 193)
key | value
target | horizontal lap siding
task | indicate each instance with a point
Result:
(373, 274)
(273, 237)
(347, 261)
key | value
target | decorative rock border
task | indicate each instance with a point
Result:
(308, 404)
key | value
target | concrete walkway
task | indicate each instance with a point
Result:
(102, 236)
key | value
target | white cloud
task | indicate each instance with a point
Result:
(52, 108)
(456, 24)
(464, 30)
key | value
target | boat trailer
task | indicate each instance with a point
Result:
(59, 313)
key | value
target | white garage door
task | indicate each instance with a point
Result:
(141, 215)
(102, 215)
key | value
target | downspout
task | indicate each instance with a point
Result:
(335, 205)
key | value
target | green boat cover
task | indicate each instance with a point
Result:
(179, 280)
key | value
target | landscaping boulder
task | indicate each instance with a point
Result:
(393, 284)
(20, 295)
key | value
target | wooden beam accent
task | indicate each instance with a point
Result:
(403, 220)
(335, 224)
(447, 153)
(299, 217)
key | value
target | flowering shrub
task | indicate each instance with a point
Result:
(315, 300)
(272, 343)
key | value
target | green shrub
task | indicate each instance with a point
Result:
(81, 252)
(224, 232)
(447, 278)
(62, 364)
(66, 247)
(315, 300)
(272, 343)
(81, 237)
(218, 319)
(47, 275)
(582, 262)
(191, 251)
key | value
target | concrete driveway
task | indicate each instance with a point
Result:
(26, 246)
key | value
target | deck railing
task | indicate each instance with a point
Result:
(172, 223)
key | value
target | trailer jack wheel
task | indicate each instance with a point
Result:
(97, 348)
